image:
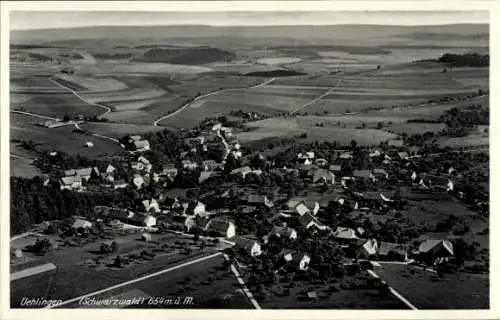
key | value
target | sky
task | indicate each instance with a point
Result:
(27, 20)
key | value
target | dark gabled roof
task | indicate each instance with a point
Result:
(386, 247)
(217, 225)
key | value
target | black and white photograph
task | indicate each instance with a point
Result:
(248, 159)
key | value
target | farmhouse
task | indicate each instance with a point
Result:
(438, 182)
(366, 248)
(141, 145)
(89, 144)
(435, 251)
(71, 183)
(84, 173)
(81, 223)
(205, 175)
(395, 143)
(388, 251)
(222, 228)
(142, 219)
(249, 246)
(345, 233)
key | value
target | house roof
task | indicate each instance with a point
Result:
(81, 172)
(206, 175)
(428, 245)
(323, 174)
(345, 233)
(362, 173)
(386, 247)
(71, 179)
(243, 170)
(302, 209)
(80, 223)
(218, 225)
(395, 143)
(335, 167)
(403, 155)
(307, 218)
(141, 144)
(246, 243)
(256, 198)
(379, 171)
(282, 231)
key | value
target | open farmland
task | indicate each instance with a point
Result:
(426, 290)
(65, 140)
(22, 167)
(57, 106)
(291, 127)
(118, 130)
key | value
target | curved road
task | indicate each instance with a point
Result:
(187, 105)
(108, 109)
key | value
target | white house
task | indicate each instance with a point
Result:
(138, 181)
(345, 233)
(250, 246)
(71, 183)
(141, 145)
(110, 168)
(151, 205)
(89, 144)
(81, 223)
(199, 209)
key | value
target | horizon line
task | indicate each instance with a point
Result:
(254, 26)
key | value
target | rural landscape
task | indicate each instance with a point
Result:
(250, 167)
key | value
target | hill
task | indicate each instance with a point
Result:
(199, 55)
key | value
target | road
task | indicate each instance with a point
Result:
(33, 115)
(394, 292)
(318, 98)
(247, 291)
(108, 109)
(134, 281)
(187, 105)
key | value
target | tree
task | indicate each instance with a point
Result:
(354, 144)
(114, 246)
(66, 117)
(380, 125)
(42, 246)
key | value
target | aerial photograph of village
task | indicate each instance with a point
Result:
(249, 160)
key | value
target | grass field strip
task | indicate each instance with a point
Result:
(318, 98)
(134, 280)
(394, 292)
(247, 291)
(187, 105)
(108, 109)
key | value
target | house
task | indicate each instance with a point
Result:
(134, 138)
(205, 175)
(249, 246)
(120, 184)
(243, 171)
(301, 261)
(283, 232)
(138, 181)
(146, 237)
(216, 127)
(16, 253)
(312, 295)
(345, 155)
(110, 168)
(89, 144)
(366, 248)
(362, 174)
(71, 183)
(151, 205)
(320, 162)
(141, 145)
(188, 164)
(335, 168)
(219, 227)
(84, 173)
(388, 251)
(374, 153)
(403, 155)
(199, 209)
(286, 255)
(395, 143)
(323, 176)
(193, 142)
(345, 233)
(438, 182)
(210, 165)
(81, 223)
(169, 170)
(259, 200)
(435, 251)
(308, 155)
(380, 173)
(139, 166)
(107, 177)
(308, 220)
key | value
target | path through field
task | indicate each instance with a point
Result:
(318, 98)
(394, 292)
(187, 105)
(108, 109)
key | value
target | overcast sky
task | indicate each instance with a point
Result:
(23, 20)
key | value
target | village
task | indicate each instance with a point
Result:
(313, 214)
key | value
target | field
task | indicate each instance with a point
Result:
(427, 290)
(21, 167)
(72, 277)
(286, 127)
(117, 130)
(63, 139)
